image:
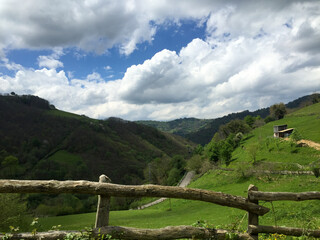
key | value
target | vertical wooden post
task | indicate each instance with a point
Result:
(102, 216)
(253, 219)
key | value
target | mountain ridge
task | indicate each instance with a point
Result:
(34, 132)
(201, 131)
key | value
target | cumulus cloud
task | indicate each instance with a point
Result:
(89, 25)
(47, 61)
(51, 61)
(254, 54)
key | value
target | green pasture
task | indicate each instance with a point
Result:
(271, 154)
(186, 212)
(305, 121)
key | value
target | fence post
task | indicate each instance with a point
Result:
(102, 216)
(253, 219)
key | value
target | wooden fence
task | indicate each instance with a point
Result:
(105, 190)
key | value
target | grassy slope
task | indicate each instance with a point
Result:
(43, 139)
(295, 214)
(185, 212)
(306, 121)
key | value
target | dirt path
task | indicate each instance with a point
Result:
(183, 183)
(310, 144)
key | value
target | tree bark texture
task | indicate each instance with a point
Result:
(284, 230)
(278, 196)
(174, 232)
(116, 190)
(253, 219)
(102, 216)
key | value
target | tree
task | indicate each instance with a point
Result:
(213, 151)
(10, 166)
(13, 211)
(295, 135)
(269, 119)
(195, 163)
(226, 153)
(198, 150)
(278, 111)
(173, 176)
(249, 120)
(252, 151)
(234, 126)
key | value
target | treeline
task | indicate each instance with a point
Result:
(38, 141)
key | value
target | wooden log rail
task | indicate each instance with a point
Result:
(283, 230)
(116, 190)
(173, 232)
(105, 190)
(254, 228)
(281, 196)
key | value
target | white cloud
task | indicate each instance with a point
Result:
(47, 61)
(89, 25)
(255, 53)
(51, 61)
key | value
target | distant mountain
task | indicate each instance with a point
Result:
(201, 131)
(304, 101)
(38, 141)
(180, 127)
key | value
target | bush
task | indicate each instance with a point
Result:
(13, 211)
(295, 135)
(269, 119)
(194, 163)
(173, 176)
(316, 171)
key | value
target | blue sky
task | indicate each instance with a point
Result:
(160, 60)
(112, 65)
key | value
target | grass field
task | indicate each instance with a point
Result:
(186, 212)
(306, 121)
(277, 154)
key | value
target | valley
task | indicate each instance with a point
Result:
(257, 158)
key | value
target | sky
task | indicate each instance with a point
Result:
(160, 60)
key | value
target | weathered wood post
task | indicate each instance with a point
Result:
(253, 219)
(102, 216)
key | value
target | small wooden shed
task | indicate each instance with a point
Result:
(282, 131)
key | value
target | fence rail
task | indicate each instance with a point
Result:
(281, 196)
(252, 229)
(116, 190)
(172, 232)
(105, 190)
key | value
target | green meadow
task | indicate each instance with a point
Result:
(272, 154)
(186, 212)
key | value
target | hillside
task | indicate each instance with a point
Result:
(272, 154)
(306, 123)
(201, 131)
(51, 144)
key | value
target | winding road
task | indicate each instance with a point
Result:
(183, 183)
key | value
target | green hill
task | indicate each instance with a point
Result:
(201, 131)
(38, 141)
(278, 154)
(272, 154)
(49, 143)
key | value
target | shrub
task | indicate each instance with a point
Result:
(13, 211)
(295, 135)
(194, 163)
(316, 171)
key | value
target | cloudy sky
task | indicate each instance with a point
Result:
(160, 60)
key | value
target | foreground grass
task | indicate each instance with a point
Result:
(185, 212)
(285, 213)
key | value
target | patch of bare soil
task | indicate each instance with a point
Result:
(310, 144)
